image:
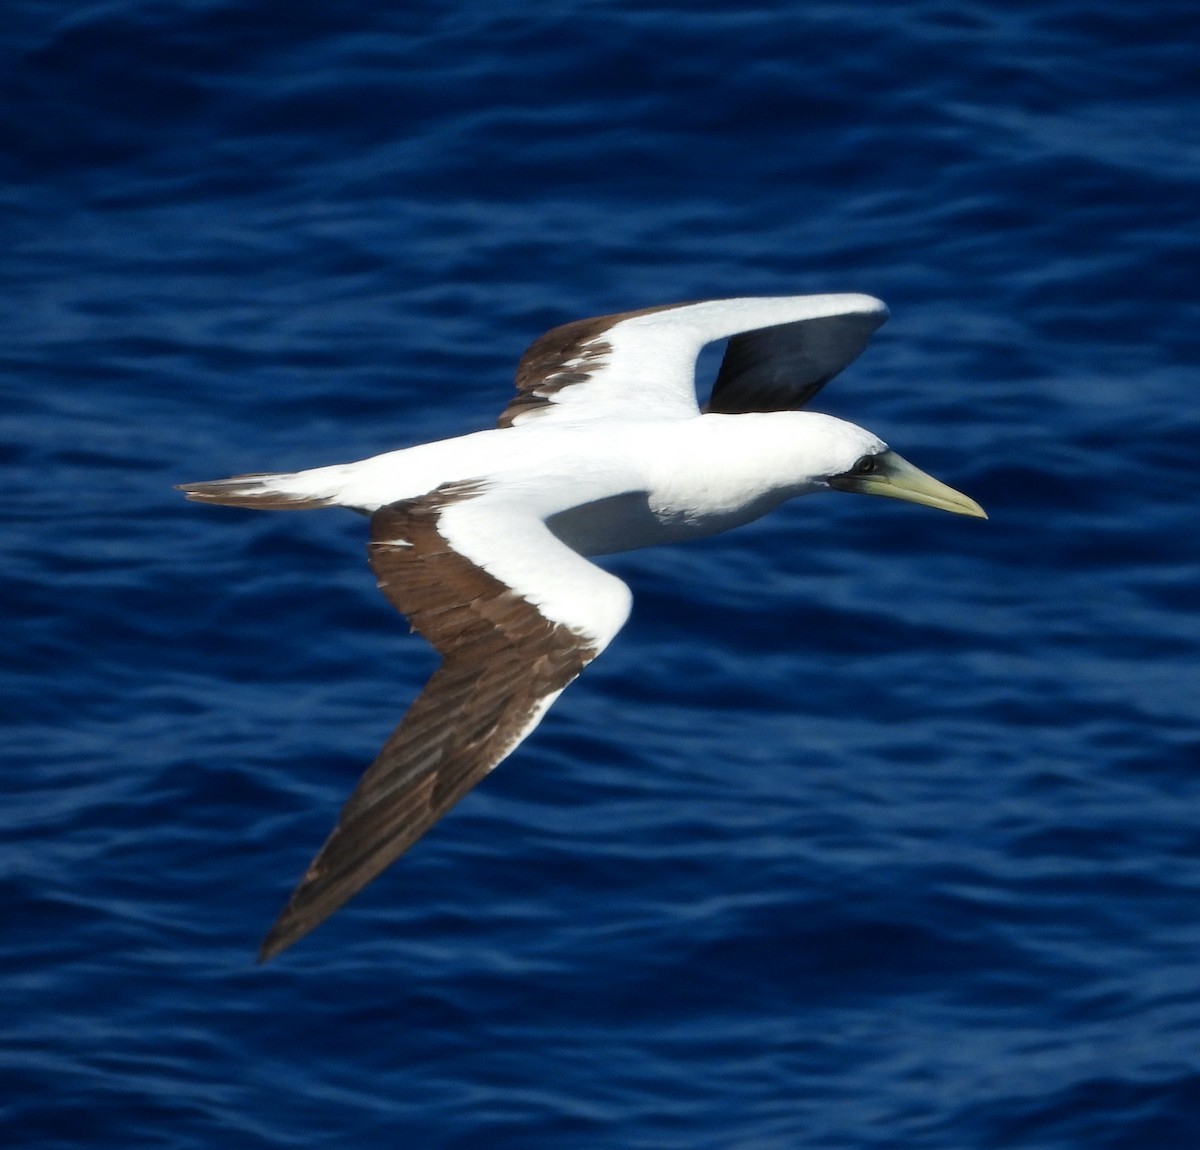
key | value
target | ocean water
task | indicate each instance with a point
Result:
(875, 827)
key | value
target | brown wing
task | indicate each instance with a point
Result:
(562, 357)
(782, 350)
(503, 663)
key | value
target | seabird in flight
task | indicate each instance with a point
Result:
(484, 541)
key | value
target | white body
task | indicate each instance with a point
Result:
(635, 483)
(631, 484)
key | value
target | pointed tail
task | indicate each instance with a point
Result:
(264, 492)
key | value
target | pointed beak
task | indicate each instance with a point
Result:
(896, 478)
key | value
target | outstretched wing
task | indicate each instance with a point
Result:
(515, 615)
(642, 363)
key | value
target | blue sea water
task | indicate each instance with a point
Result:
(875, 827)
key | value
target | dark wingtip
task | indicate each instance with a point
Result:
(283, 933)
(271, 946)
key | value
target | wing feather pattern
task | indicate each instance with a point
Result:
(503, 664)
(642, 364)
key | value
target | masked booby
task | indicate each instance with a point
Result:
(484, 540)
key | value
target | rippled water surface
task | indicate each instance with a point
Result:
(875, 828)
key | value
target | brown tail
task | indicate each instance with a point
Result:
(257, 491)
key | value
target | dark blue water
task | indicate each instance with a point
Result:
(875, 828)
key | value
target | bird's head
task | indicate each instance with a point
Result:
(877, 470)
(849, 458)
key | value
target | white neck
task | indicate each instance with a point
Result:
(738, 467)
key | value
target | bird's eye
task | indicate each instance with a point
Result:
(865, 465)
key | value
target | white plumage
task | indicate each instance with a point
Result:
(482, 540)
